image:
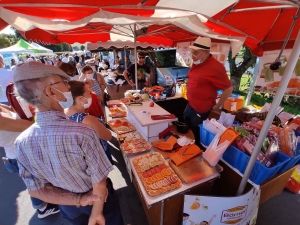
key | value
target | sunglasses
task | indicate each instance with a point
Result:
(141, 57)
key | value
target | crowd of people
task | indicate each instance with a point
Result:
(65, 169)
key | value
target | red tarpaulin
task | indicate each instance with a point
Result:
(265, 27)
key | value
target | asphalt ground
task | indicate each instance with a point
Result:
(15, 204)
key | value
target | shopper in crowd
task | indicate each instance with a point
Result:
(60, 161)
(70, 70)
(81, 93)
(144, 74)
(12, 62)
(205, 78)
(76, 58)
(65, 59)
(73, 63)
(5, 79)
(80, 64)
(96, 81)
(11, 127)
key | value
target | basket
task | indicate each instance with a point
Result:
(206, 136)
(260, 173)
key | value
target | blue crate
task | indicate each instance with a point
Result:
(260, 173)
(288, 165)
(206, 136)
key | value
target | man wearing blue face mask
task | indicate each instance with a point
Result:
(206, 76)
(60, 161)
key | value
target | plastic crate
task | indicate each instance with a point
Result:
(260, 173)
(288, 165)
(206, 136)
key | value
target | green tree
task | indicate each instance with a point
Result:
(82, 47)
(4, 41)
(239, 65)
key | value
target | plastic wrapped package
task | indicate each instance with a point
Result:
(213, 126)
(294, 182)
(287, 141)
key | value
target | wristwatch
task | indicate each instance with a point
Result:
(78, 200)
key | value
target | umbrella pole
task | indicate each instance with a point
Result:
(253, 81)
(276, 102)
(135, 53)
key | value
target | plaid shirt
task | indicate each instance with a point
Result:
(61, 152)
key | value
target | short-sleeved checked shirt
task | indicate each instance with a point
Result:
(61, 152)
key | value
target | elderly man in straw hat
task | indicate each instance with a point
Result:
(60, 161)
(205, 78)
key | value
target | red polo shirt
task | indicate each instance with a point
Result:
(204, 80)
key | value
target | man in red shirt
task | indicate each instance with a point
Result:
(205, 78)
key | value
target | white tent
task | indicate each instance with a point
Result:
(15, 49)
(42, 50)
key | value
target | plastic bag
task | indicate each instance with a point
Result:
(287, 141)
(214, 151)
(226, 119)
(213, 126)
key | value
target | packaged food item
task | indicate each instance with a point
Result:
(287, 141)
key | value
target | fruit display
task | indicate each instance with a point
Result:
(133, 142)
(117, 110)
(121, 126)
(157, 177)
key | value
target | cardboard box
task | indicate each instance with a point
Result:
(233, 104)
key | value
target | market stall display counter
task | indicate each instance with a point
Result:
(140, 116)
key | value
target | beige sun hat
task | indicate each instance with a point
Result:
(201, 43)
(33, 70)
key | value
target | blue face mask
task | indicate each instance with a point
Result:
(68, 96)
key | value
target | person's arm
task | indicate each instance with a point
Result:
(102, 131)
(149, 79)
(14, 125)
(97, 217)
(226, 93)
(55, 195)
(125, 74)
(82, 77)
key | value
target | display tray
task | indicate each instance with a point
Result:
(133, 142)
(195, 169)
(156, 175)
(117, 110)
(121, 126)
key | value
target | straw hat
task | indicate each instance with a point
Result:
(201, 43)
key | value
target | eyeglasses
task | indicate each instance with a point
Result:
(66, 82)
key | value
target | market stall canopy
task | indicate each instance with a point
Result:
(59, 21)
(19, 47)
(41, 49)
(265, 24)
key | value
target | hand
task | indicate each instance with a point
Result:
(97, 219)
(132, 84)
(215, 108)
(89, 198)
(147, 84)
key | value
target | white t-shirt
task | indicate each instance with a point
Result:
(7, 138)
(6, 77)
(65, 59)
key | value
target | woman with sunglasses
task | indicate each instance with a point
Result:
(144, 73)
(81, 93)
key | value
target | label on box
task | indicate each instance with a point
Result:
(233, 106)
(248, 146)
